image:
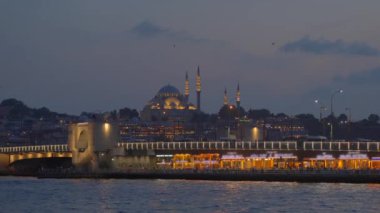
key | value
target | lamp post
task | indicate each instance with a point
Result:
(332, 112)
(230, 107)
(349, 114)
(332, 100)
(349, 122)
(331, 129)
(322, 108)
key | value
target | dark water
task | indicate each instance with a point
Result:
(86, 195)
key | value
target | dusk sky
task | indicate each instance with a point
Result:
(74, 56)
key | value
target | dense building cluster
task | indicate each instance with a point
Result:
(21, 125)
(170, 116)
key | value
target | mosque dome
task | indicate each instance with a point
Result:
(169, 104)
(168, 90)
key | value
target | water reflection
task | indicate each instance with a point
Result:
(32, 195)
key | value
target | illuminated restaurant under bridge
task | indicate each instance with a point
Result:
(272, 160)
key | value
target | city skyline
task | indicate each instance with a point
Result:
(189, 106)
(108, 56)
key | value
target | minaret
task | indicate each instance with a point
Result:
(198, 87)
(238, 96)
(225, 97)
(187, 88)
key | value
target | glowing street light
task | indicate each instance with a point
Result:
(230, 107)
(340, 91)
(321, 109)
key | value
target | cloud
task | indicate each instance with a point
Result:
(148, 29)
(371, 76)
(324, 46)
(361, 91)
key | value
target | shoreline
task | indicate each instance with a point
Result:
(315, 176)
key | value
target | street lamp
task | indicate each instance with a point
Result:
(332, 100)
(229, 109)
(349, 122)
(332, 112)
(331, 129)
(321, 109)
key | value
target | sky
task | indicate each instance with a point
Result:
(95, 56)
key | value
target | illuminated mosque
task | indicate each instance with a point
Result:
(169, 104)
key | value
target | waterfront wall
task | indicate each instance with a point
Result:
(4, 162)
(134, 162)
(348, 176)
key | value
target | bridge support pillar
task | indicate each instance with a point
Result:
(4, 162)
(91, 144)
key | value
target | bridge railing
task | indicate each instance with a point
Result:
(247, 145)
(342, 146)
(37, 148)
(216, 145)
(210, 145)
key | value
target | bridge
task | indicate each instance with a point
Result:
(59, 148)
(211, 145)
(14, 154)
(254, 146)
(9, 155)
(94, 145)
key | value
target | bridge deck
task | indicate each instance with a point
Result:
(267, 145)
(37, 148)
(217, 145)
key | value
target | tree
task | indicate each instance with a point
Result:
(373, 118)
(228, 112)
(281, 115)
(258, 114)
(127, 113)
(43, 112)
(342, 117)
(12, 103)
(306, 117)
(310, 123)
(18, 109)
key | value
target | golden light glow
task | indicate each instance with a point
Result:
(32, 155)
(106, 127)
(201, 161)
(268, 161)
(255, 134)
(173, 103)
